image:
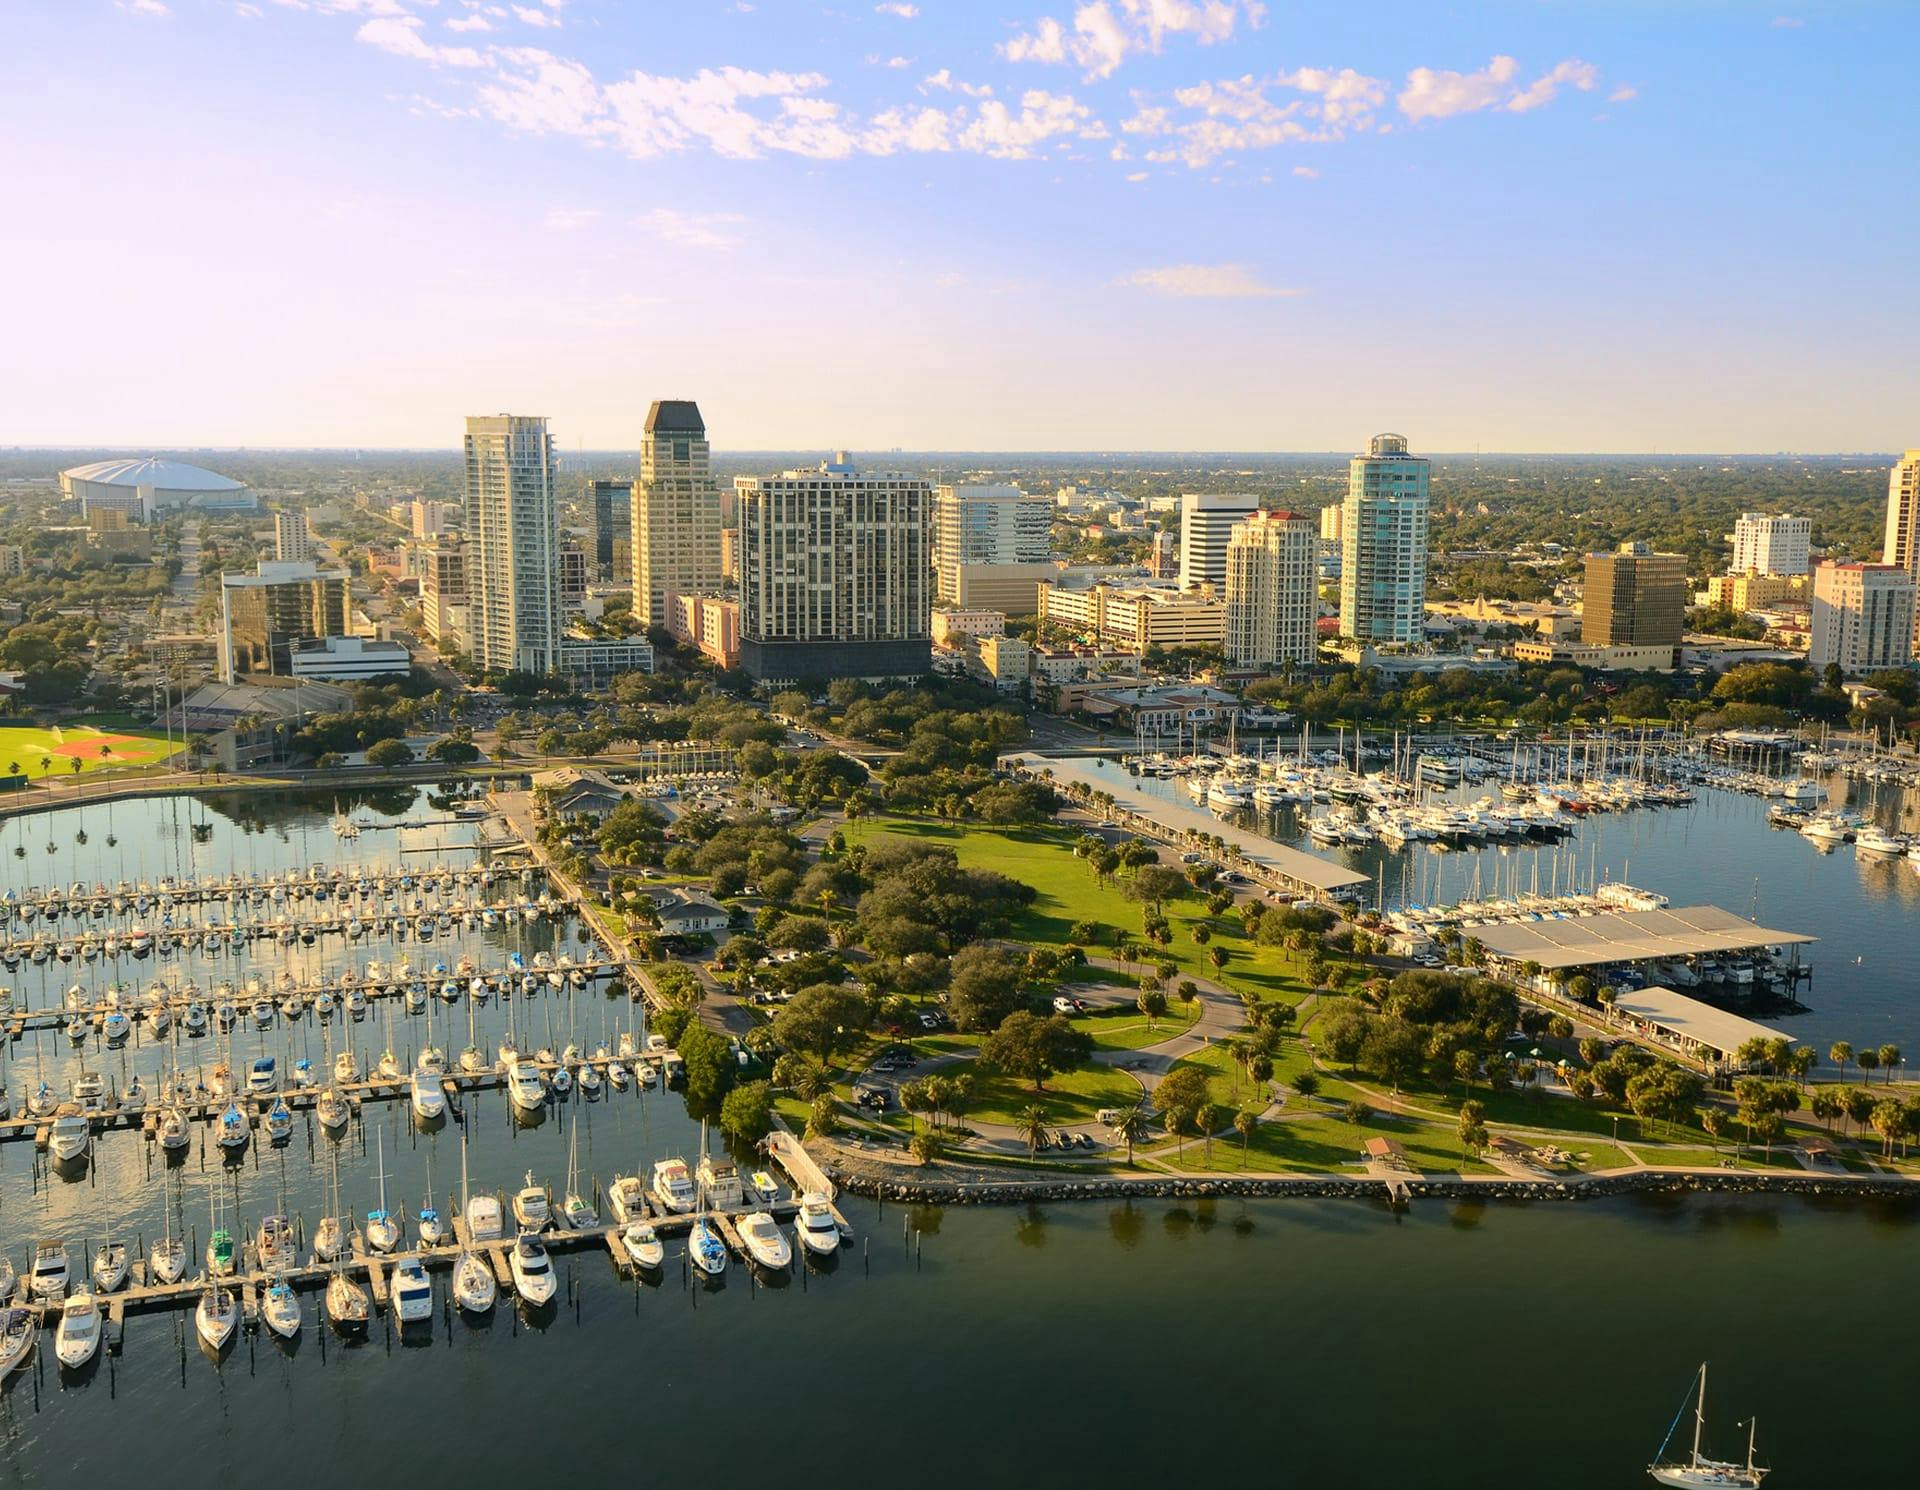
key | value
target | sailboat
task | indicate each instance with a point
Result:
(474, 1288)
(574, 1209)
(347, 1304)
(1699, 1469)
(216, 1315)
(167, 1258)
(383, 1232)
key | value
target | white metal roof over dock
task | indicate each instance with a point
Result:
(1690, 1024)
(1628, 936)
(1112, 778)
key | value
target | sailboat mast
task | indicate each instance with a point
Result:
(1699, 1412)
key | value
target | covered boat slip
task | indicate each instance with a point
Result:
(1629, 936)
(1689, 1026)
(1275, 860)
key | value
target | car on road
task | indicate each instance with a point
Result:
(1062, 1004)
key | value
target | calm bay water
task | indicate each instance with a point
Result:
(1315, 1342)
(1718, 851)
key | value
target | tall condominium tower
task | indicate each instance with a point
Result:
(990, 547)
(676, 511)
(1770, 545)
(1863, 616)
(1903, 521)
(1271, 599)
(835, 574)
(1206, 522)
(292, 538)
(1383, 542)
(513, 548)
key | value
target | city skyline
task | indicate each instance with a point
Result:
(1534, 207)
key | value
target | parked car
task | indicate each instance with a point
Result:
(1062, 1004)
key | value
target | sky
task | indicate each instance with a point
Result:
(1512, 225)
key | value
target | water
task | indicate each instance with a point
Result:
(1718, 851)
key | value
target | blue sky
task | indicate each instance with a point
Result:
(1010, 224)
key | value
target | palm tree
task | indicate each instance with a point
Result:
(1889, 1058)
(1033, 1128)
(1132, 1126)
(1207, 1118)
(1841, 1054)
(1866, 1060)
(1244, 1122)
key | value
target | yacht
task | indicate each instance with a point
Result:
(1874, 839)
(673, 1186)
(643, 1246)
(48, 1280)
(819, 1233)
(485, 1223)
(532, 1270)
(17, 1328)
(719, 1181)
(274, 1244)
(216, 1316)
(525, 1089)
(411, 1291)
(280, 1308)
(264, 1076)
(627, 1198)
(1824, 827)
(705, 1249)
(532, 1207)
(763, 1187)
(71, 1137)
(429, 1096)
(77, 1340)
(764, 1241)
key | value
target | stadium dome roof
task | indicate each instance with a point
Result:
(154, 471)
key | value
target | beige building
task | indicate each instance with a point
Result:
(676, 511)
(1004, 661)
(990, 547)
(952, 626)
(1863, 616)
(13, 560)
(1272, 600)
(1902, 545)
(1138, 617)
(292, 538)
(1584, 654)
(710, 623)
(1746, 592)
(1634, 597)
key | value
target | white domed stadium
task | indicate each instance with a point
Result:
(139, 487)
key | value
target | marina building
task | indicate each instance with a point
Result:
(264, 613)
(676, 511)
(990, 547)
(1770, 545)
(1863, 616)
(1206, 525)
(1383, 545)
(513, 559)
(1272, 602)
(835, 574)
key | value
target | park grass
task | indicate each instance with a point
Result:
(1126, 1028)
(1067, 892)
(60, 747)
(1069, 1097)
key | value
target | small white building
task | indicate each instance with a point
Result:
(348, 659)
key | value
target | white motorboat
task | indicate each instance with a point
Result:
(1874, 839)
(486, 1221)
(819, 1233)
(525, 1089)
(263, 1076)
(412, 1291)
(532, 1207)
(274, 1245)
(280, 1308)
(429, 1096)
(17, 1330)
(48, 1280)
(216, 1316)
(627, 1199)
(1699, 1470)
(77, 1340)
(673, 1186)
(110, 1267)
(763, 1187)
(706, 1250)
(532, 1269)
(766, 1244)
(70, 1138)
(643, 1246)
(719, 1181)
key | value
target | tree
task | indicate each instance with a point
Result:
(1181, 1094)
(823, 1117)
(1841, 1054)
(823, 1019)
(984, 987)
(1154, 884)
(1714, 1120)
(1857, 1103)
(1867, 1061)
(1245, 1121)
(927, 1146)
(1889, 1058)
(1033, 1048)
(1033, 1127)
(1206, 1118)
(709, 1064)
(1466, 1066)
(746, 1113)
(1306, 1084)
(453, 751)
(387, 754)
(1152, 1003)
(1132, 1126)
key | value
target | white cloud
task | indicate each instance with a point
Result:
(469, 23)
(715, 230)
(1210, 120)
(248, 12)
(1431, 94)
(544, 94)
(874, 59)
(1205, 282)
(896, 8)
(1786, 23)
(1306, 173)
(402, 38)
(531, 17)
(1136, 175)
(1571, 73)
(144, 8)
(567, 219)
(1625, 93)
(945, 82)
(1106, 32)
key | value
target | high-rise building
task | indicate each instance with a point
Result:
(443, 592)
(1206, 522)
(1902, 545)
(1163, 555)
(1634, 597)
(263, 614)
(573, 576)
(612, 506)
(990, 547)
(429, 519)
(676, 511)
(835, 574)
(292, 538)
(513, 548)
(1383, 544)
(1863, 616)
(1272, 601)
(1770, 545)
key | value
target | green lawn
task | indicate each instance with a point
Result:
(1126, 1028)
(1070, 1096)
(1067, 892)
(52, 752)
